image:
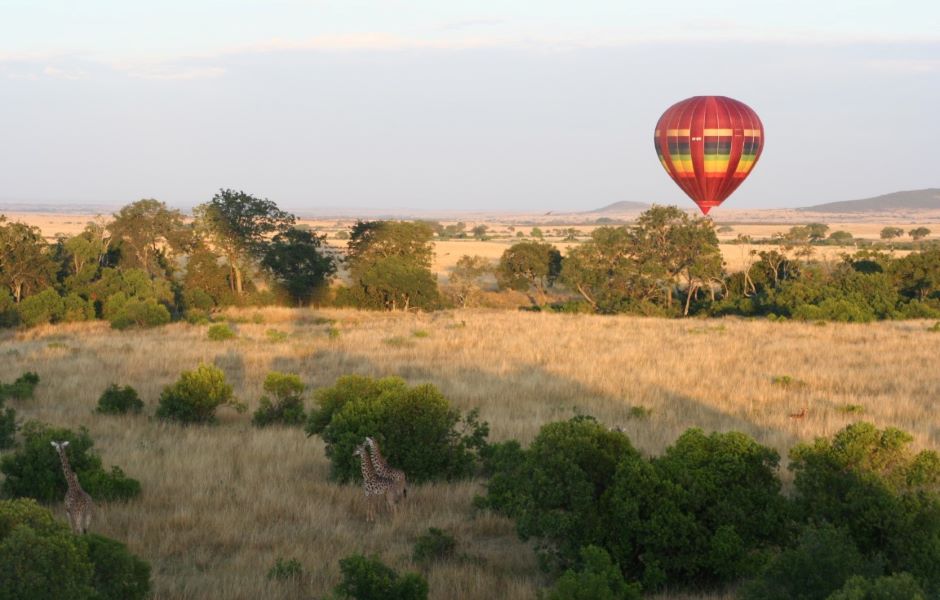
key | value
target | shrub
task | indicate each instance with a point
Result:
(285, 569)
(597, 578)
(34, 470)
(553, 490)
(21, 389)
(195, 396)
(7, 427)
(702, 514)
(435, 545)
(41, 559)
(42, 308)
(138, 312)
(9, 316)
(220, 332)
(118, 574)
(287, 407)
(893, 587)
(76, 308)
(823, 559)
(39, 566)
(416, 428)
(370, 579)
(117, 400)
(883, 493)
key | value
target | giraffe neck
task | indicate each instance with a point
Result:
(369, 476)
(70, 477)
(378, 461)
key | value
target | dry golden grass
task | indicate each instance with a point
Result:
(220, 503)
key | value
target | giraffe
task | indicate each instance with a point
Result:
(399, 486)
(372, 484)
(78, 504)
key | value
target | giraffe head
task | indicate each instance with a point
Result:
(360, 450)
(60, 446)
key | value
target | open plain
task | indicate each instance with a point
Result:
(221, 503)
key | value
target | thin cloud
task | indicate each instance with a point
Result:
(906, 65)
(57, 73)
(471, 23)
(174, 73)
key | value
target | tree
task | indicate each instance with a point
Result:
(890, 233)
(917, 275)
(536, 233)
(607, 272)
(918, 233)
(151, 233)
(88, 248)
(674, 244)
(841, 238)
(479, 232)
(25, 262)
(238, 225)
(296, 262)
(817, 231)
(466, 278)
(525, 266)
(390, 265)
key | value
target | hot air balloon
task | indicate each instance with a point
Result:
(709, 145)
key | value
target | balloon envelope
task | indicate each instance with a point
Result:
(709, 145)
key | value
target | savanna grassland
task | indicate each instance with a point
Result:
(221, 503)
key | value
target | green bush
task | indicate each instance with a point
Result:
(285, 569)
(823, 559)
(195, 396)
(76, 308)
(34, 566)
(39, 309)
(554, 489)
(134, 311)
(21, 389)
(220, 332)
(118, 574)
(370, 579)
(892, 587)
(40, 559)
(435, 545)
(416, 428)
(7, 427)
(597, 578)
(705, 513)
(287, 406)
(117, 400)
(34, 470)
(870, 481)
(9, 316)
(702, 514)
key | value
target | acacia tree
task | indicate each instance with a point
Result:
(152, 233)
(294, 260)
(25, 261)
(390, 264)
(607, 273)
(890, 233)
(527, 266)
(466, 278)
(239, 225)
(918, 233)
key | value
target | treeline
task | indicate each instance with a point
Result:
(149, 265)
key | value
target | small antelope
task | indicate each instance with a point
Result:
(799, 415)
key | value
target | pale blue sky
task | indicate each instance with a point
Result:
(544, 105)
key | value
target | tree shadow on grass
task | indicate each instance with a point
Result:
(519, 401)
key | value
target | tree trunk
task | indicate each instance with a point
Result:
(688, 298)
(238, 280)
(587, 297)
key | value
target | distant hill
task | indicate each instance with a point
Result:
(620, 207)
(928, 199)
